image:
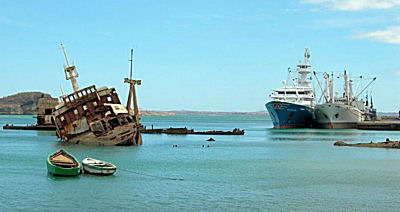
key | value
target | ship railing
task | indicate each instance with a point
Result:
(290, 96)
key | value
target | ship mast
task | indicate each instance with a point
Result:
(70, 71)
(303, 69)
(346, 87)
(132, 93)
(350, 90)
(332, 98)
(372, 104)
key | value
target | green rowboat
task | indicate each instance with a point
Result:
(63, 163)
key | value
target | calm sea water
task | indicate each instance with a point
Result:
(266, 169)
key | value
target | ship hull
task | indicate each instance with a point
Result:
(126, 135)
(93, 116)
(336, 116)
(289, 115)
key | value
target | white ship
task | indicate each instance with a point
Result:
(340, 112)
(292, 105)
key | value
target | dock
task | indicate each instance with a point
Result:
(388, 124)
(186, 131)
(170, 131)
(30, 127)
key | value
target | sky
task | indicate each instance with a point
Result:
(215, 55)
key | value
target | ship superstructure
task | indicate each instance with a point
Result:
(94, 116)
(292, 105)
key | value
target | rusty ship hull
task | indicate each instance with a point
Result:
(93, 116)
(125, 135)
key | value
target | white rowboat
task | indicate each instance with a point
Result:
(93, 166)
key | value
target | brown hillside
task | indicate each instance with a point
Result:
(21, 103)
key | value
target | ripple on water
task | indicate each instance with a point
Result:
(266, 169)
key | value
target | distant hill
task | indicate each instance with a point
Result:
(21, 103)
(202, 113)
(25, 103)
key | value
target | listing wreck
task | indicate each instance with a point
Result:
(94, 116)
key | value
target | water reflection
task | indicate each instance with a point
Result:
(329, 135)
(62, 178)
(45, 133)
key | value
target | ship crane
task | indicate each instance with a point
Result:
(70, 71)
(132, 93)
(365, 88)
(324, 95)
(359, 79)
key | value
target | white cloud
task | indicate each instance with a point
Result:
(10, 22)
(389, 35)
(355, 5)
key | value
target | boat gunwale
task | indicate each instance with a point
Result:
(63, 171)
(97, 167)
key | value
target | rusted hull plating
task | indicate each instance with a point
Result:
(126, 135)
(93, 116)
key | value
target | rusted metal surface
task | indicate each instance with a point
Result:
(45, 106)
(186, 131)
(30, 127)
(70, 71)
(124, 135)
(95, 117)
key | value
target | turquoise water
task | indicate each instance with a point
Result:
(266, 169)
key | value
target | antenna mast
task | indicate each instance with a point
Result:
(132, 93)
(70, 71)
(130, 75)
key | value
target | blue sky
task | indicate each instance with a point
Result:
(198, 55)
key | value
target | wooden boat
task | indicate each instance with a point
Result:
(63, 163)
(93, 166)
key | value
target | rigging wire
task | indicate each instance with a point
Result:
(150, 175)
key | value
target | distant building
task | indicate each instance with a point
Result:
(45, 108)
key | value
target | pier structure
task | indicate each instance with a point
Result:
(391, 124)
(45, 106)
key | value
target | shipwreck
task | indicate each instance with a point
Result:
(95, 116)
